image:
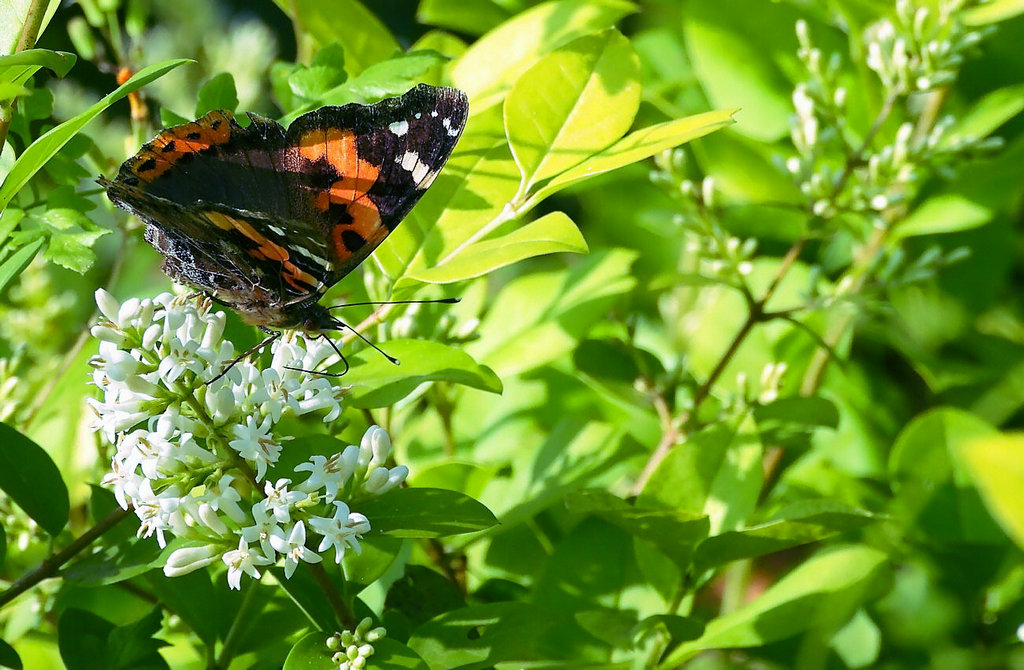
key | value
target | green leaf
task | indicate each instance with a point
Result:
(73, 238)
(859, 642)
(17, 68)
(989, 113)
(947, 213)
(465, 202)
(934, 495)
(675, 532)
(993, 12)
(415, 512)
(481, 636)
(325, 73)
(134, 645)
(310, 653)
(170, 118)
(613, 626)
(736, 48)
(379, 383)
(365, 39)
(422, 594)
(808, 522)
(88, 642)
(308, 596)
(14, 264)
(83, 640)
(553, 311)
(74, 250)
(997, 468)
(511, 48)
(552, 233)
(801, 410)
(364, 568)
(9, 657)
(679, 628)
(390, 77)
(12, 21)
(636, 146)
(823, 591)
(574, 102)
(3, 546)
(456, 15)
(30, 477)
(717, 472)
(218, 93)
(44, 148)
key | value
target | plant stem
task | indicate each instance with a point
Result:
(238, 624)
(755, 314)
(345, 616)
(49, 567)
(27, 40)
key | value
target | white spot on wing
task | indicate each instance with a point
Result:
(418, 115)
(447, 123)
(420, 171)
(428, 179)
(276, 230)
(399, 128)
(410, 160)
(434, 113)
(319, 260)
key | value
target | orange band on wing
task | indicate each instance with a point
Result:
(159, 155)
(266, 250)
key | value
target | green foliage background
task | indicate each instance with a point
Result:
(750, 403)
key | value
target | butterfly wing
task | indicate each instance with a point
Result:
(372, 164)
(268, 218)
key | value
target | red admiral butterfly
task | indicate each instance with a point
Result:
(265, 219)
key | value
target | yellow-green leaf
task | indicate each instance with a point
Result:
(512, 47)
(996, 464)
(571, 104)
(552, 233)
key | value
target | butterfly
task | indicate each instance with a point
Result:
(265, 219)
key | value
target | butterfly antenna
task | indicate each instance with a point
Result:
(341, 324)
(445, 301)
(249, 352)
(326, 374)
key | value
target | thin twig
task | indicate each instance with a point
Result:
(49, 567)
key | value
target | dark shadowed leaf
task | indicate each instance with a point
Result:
(31, 478)
(415, 512)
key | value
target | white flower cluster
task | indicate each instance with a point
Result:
(192, 454)
(918, 50)
(352, 648)
(922, 48)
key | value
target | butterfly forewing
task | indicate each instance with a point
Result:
(268, 218)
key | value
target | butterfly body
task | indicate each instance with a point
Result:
(265, 219)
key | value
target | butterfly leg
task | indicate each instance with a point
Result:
(272, 335)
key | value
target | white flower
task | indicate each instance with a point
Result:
(341, 531)
(326, 473)
(222, 496)
(242, 560)
(280, 500)
(265, 525)
(294, 548)
(253, 442)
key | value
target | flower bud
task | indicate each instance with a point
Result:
(189, 559)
